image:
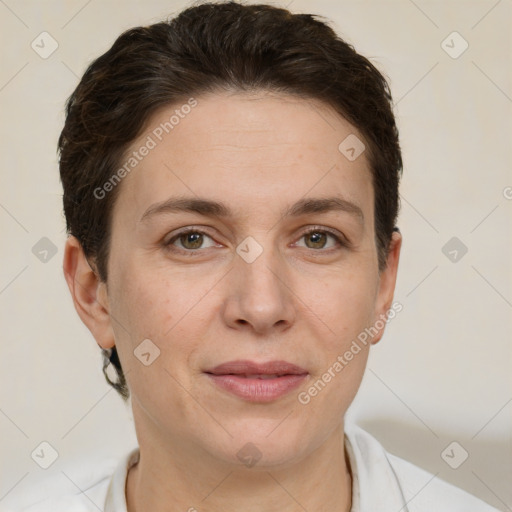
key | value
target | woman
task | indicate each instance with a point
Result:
(231, 192)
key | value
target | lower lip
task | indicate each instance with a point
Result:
(258, 390)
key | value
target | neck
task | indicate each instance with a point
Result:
(181, 478)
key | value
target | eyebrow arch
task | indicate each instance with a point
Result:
(211, 208)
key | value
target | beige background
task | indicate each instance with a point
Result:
(442, 371)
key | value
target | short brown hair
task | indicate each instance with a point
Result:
(207, 48)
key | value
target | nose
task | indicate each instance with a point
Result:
(258, 296)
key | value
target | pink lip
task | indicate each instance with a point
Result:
(233, 377)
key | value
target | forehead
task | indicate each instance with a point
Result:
(248, 149)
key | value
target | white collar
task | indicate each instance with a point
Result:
(116, 493)
(375, 485)
(370, 467)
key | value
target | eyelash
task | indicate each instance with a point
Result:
(340, 241)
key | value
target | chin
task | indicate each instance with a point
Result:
(259, 444)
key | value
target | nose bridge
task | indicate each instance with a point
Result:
(259, 294)
(263, 274)
(259, 269)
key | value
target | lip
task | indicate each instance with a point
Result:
(257, 382)
(246, 367)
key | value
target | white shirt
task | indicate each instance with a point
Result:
(381, 482)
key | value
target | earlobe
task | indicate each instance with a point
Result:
(387, 284)
(88, 292)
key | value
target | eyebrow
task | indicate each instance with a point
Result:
(212, 208)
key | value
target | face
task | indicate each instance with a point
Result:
(284, 269)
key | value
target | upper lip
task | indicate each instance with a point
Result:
(245, 367)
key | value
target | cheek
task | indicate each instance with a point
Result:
(150, 301)
(151, 308)
(347, 304)
(343, 301)
(160, 307)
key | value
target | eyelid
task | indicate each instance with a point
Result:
(340, 238)
(168, 240)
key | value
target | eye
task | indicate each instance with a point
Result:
(317, 238)
(190, 240)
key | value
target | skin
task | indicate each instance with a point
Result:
(302, 300)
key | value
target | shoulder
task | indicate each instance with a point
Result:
(79, 502)
(89, 499)
(76, 490)
(384, 476)
(428, 492)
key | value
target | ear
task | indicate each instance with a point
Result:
(89, 293)
(387, 282)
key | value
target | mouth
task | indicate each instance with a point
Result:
(257, 382)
